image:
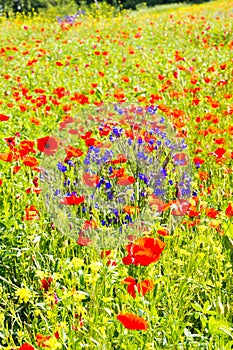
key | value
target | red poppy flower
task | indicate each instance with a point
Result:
(7, 157)
(180, 207)
(192, 213)
(82, 240)
(41, 340)
(93, 142)
(30, 161)
(26, 147)
(145, 286)
(212, 213)
(16, 168)
(31, 213)
(105, 253)
(219, 152)
(89, 225)
(126, 180)
(35, 190)
(125, 79)
(161, 205)
(119, 95)
(47, 145)
(56, 334)
(72, 200)
(144, 251)
(35, 121)
(73, 132)
(142, 287)
(10, 142)
(91, 180)
(3, 118)
(0, 182)
(59, 64)
(26, 346)
(181, 159)
(229, 210)
(121, 158)
(104, 130)
(163, 232)
(118, 173)
(87, 135)
(73, 152)
(131, 210)
(133, 322)
(46, 283)
(80, 98)
(198, 161)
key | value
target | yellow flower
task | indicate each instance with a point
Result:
(95, 266)
(2, 318)
(63, 325)
(80, 310)
(77, 262)
(56, 276)
(24, 295)
(40, 274)
(78, 296)
(202, 228)
(149, 346)
(53, 344)
(20, 334)
(107, 299)
(92, 278)
(102, 330)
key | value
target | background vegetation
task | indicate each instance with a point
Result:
(28, 6)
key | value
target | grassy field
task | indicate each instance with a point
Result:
(116, 180)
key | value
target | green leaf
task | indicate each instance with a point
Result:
(197, 307)
(219, 326)
(206, 307)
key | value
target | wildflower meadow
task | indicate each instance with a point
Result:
(116, 179)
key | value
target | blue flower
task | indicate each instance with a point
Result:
(110, 195)
(128, 218)
(144, 178)
(162, 120)
(70, 162)
(163, 172)
(57, 192)
(140, 141)
(87, 160)
(116, 131)
(167, 142)
(141, 155)
(61, 167)
(101, 182)
(152, 110)
(185, 191)
(159, 192)
(115, 212)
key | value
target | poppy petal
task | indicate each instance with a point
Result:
(133, 322)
